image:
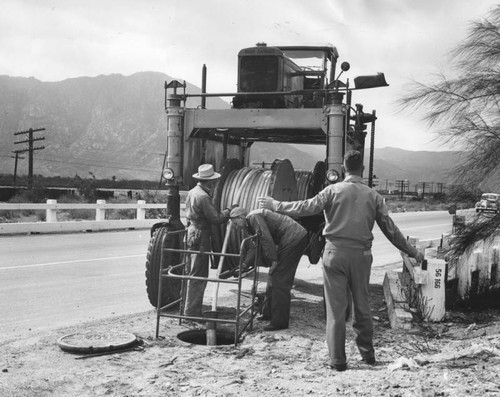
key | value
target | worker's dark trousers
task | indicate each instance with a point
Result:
(280, 283)
(345, 268)
(197, 240)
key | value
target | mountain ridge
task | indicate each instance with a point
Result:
(114, 126)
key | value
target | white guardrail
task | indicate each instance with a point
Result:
(52, 225)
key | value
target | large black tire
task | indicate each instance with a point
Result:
(171, 288)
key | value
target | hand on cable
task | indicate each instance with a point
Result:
(266, 202)
(274, 265)
(227, 210)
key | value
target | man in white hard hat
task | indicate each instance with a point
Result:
(201, 215)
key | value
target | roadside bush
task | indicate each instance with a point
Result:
(25, 215)
(87, 187)
(153, 197)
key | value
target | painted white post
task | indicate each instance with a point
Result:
(51, 213)
(446, 241)
(433, 293)
(100, 213)
(141, 212)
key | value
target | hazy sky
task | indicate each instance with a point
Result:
(53, 40)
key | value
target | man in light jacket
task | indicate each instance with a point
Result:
(350, 209)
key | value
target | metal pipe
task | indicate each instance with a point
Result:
(175, 116)
(335, 134)
(221, 264)
(160, 284)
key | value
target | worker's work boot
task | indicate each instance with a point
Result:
(272, 327)
(338, 367)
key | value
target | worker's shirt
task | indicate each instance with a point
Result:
(199, 209)
(350, 208)
(277, 231)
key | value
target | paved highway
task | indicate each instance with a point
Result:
(49, 281)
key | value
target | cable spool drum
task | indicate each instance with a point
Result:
(243, 187)
(304, 184)
(228, 173)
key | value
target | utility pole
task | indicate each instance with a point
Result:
(16, 157)
(31, 148)
(424, 185)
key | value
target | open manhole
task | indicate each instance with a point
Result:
(199, 337)
(97, 342)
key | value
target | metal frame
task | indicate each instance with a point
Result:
(167, 272)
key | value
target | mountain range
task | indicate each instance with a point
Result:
(114, 126)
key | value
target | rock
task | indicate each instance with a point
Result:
(403, 363)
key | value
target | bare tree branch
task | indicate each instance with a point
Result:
(466, 110)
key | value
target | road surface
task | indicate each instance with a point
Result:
(55, 280)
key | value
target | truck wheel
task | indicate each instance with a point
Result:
(171, 288)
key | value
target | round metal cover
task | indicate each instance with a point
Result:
(96, 341)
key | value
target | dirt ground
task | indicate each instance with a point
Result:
(458, 357)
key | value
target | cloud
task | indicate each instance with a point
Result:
(58, 39)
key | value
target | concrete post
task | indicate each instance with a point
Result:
(100, 213)
(51, 213)
(141, 212)
(433, 293)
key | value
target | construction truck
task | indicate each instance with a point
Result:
(286, 95)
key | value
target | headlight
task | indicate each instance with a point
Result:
(168, 174)
(332, 176)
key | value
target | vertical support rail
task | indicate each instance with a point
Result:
(254, 288)
(184, 259)
(160, 284)
(372, 150)
(335, 134)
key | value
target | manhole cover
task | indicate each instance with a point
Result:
(96, 342)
